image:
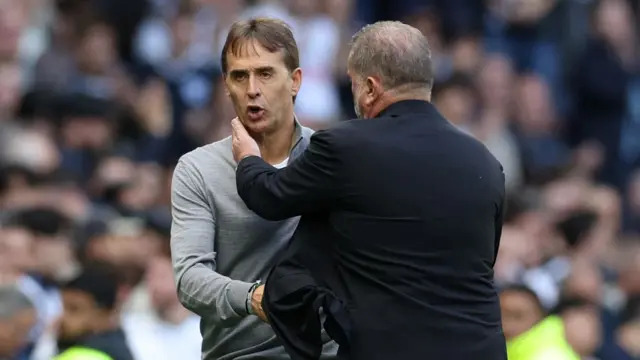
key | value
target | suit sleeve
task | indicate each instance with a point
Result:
(309, 184)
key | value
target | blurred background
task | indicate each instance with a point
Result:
(99, 98)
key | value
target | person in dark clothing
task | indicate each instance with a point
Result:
(52, 261)
(401, 220)
(90, 325)
(602, 90)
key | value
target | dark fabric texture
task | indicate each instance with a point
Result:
(401, 217)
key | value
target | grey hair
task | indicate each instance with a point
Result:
(397, 53)
(13, 301)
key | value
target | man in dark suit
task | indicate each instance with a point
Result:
(401, 220)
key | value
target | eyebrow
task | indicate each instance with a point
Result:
(258, 69)
(265, 69)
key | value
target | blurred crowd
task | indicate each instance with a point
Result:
(99, 98)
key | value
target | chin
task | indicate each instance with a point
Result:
(258, 127)
(66, 337)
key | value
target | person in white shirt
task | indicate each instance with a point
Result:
(171, 332)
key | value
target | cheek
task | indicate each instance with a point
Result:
(233, 91)
(279, 90)
(72, 325)
(359, 96)
(233, 94)
(354, 91)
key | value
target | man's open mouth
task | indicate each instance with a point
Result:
(254, 108)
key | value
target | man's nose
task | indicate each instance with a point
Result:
(253, 89)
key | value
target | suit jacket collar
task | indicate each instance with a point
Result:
(406, 107)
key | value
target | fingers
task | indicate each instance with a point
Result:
(263, 317)
(236, 127)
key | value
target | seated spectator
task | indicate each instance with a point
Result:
(17, 318)
(536, 119)
(10, 81)
(580, 318)
(530, 334)
(170, 331)
(456, 99)
(90, 326)
(44, 231)
(629, 331)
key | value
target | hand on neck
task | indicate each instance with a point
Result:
(276, 145)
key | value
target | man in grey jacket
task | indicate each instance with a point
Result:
(220, 249)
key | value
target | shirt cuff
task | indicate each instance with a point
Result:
(237, 296)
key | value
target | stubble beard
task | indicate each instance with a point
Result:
(356, 106)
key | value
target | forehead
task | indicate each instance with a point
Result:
(517, 298)
(77, 297)
(250, 54)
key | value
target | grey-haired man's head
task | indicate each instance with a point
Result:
(388, 61)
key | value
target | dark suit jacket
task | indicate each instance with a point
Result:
(401, 221)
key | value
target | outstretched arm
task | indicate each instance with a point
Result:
(311, 183)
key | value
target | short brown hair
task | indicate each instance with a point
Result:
(89, 20)
(272, 34)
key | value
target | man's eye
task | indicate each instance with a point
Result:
(265, 74)
(240, 77)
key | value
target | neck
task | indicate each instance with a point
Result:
(275, 146)
(179, 50)
(174, 314)
(110, 323)
(391, 97)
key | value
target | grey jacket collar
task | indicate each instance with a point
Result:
(301, 139)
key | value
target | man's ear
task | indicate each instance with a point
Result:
(296, 77)
(373, 90)
(373, 87)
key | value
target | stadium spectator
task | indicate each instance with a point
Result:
(90, 327)
(99, 98)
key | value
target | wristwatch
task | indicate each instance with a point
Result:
(248, 306)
